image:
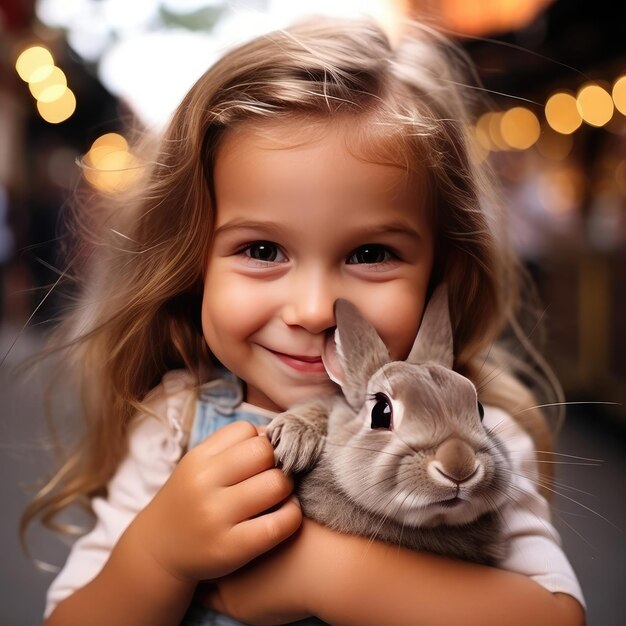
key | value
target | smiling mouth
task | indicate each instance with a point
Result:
(301, 363)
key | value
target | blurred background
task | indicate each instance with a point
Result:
(76, 75)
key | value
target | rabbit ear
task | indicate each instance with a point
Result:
(355, 354)
(434, 338)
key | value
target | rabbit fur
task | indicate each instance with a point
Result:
(401, 455)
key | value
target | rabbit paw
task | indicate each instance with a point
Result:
(297, 442)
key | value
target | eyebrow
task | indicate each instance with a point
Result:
(239, 224)
(392, 228)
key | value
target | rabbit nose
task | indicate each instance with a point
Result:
(456, 460)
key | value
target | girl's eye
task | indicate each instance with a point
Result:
(381, 412)
(481, 411)
(265, 251)
(370, 253)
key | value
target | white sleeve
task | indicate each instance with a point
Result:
(154, 448)
(534, 545)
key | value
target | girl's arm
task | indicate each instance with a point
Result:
(347, 580)
(206, 521)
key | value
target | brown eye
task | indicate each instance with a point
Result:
(381, 412)
(481, 411)
(266, 251)
(370, 254)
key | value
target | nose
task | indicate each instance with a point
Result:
(456, 460)
(309, 301)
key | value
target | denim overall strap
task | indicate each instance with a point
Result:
(216, 406)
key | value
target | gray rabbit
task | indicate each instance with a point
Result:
(402, 455)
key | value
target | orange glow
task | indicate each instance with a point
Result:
(595, 104)
(519, 128)
(619, 94)
(487, 16)
(562, 113)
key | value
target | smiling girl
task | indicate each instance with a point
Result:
(311, 164)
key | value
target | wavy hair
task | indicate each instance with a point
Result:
(139, 258)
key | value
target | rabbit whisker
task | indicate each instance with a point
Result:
(541, 406)
(343, 445)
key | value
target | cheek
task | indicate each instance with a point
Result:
(398, 323)
(226, 307)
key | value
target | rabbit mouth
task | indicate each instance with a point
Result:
(451, 503)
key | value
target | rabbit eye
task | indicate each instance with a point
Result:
(381, 412)
(481, 411)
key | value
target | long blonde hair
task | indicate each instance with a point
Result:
(140, 259)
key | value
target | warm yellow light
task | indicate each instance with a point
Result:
(519, 128)
(109, 169)
(619, 94)
(562, 113)
(595, 104)
(51, 88)
(495, 131)
(58, 110)
(487, 132)
(35, 60)
(481, 132)
(110, 140)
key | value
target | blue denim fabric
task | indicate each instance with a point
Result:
(217, 406)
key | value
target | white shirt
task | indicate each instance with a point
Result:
(156, 445)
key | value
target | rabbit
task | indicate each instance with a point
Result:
(401, 455)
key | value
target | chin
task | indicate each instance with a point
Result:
(297, 396)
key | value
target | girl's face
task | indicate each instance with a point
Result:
(301, 222)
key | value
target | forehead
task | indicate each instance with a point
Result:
(344, 152)
(304, 158)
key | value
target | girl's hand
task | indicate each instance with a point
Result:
(211, 517)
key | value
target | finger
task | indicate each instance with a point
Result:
(260, 534)
(226, 437)
(243, 460)
(257, 494)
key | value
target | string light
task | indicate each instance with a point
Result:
(594, 104)
(109, 166)
(47, 84)
(562, 113)
(519, 128)
(58, 110)
(619, 94)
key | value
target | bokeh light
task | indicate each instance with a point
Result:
(562, 113)
(619, 94)
(519, 128)
(34, 63)
(594, 104)
(109, 166)
(58, 110)
(113, 141)
(51, 87)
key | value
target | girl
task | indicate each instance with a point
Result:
(310, 164)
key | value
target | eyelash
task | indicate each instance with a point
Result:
(390, 255)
